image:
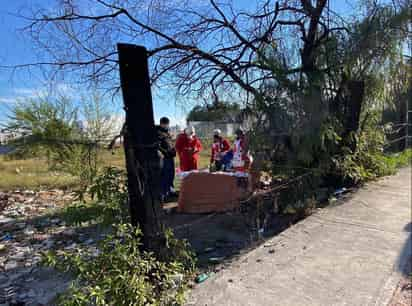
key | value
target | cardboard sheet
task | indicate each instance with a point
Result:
(203, 192)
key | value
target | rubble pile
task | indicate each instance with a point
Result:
(28, 227)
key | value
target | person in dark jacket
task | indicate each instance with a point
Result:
(168, 153)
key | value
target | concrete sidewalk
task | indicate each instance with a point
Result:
(351, 253)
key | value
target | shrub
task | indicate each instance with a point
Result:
(103, 201)
(120, 273)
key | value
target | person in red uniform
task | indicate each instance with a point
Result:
(242, 159)
(188, 147)
(220, 147)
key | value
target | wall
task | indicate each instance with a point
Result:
(204, 129)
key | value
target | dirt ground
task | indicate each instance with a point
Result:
(403, 293)
(30, 224)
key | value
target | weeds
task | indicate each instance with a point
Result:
(119, 273)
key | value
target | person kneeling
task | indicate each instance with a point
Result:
(221, 154)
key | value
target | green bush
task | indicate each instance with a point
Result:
(104, 201)
(120, 273)
(369, 161)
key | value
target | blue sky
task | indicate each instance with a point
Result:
(17, 50)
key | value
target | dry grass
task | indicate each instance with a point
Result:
(34, 173)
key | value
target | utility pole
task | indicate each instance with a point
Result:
(140, 143)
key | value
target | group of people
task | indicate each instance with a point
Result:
(188, 146)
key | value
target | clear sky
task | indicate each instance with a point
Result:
(15, 49)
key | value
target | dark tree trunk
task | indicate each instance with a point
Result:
(403, 117)
(354, 105)
(142, 159)
(353, 108)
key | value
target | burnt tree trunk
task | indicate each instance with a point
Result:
(142, 159)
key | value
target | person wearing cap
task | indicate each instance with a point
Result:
(167, 155)
(241, 156)
(220, 148)
(188, 147)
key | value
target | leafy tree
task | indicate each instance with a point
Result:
(52, 128)
(316, 110)
(42, 123)
(218, 111)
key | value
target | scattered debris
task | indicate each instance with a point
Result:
(340, 191)
(210, 249)
(202, 277)
(26, 232)
(177, 279)
(216, 260)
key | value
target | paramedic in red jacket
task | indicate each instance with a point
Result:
(220, 147)
(188, 147)
(242, 159)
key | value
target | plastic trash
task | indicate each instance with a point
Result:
(202, 277)
(215, 259)
(6, 237)
(340, 191)
(209, 249)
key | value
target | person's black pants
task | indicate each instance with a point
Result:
(167, 175)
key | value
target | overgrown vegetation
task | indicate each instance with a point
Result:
(120, 273)
(103, 202)
(328, 118)
(217, 111)
(316, 86)
(57, 130)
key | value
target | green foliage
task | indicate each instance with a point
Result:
(368, 161)
(120, 273)
(40, 123)
(104, 201)
(305, 119)
(218, 111)
(80, 159)
(50, 127)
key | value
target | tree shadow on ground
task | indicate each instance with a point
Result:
(222, 237)
(406, 254)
